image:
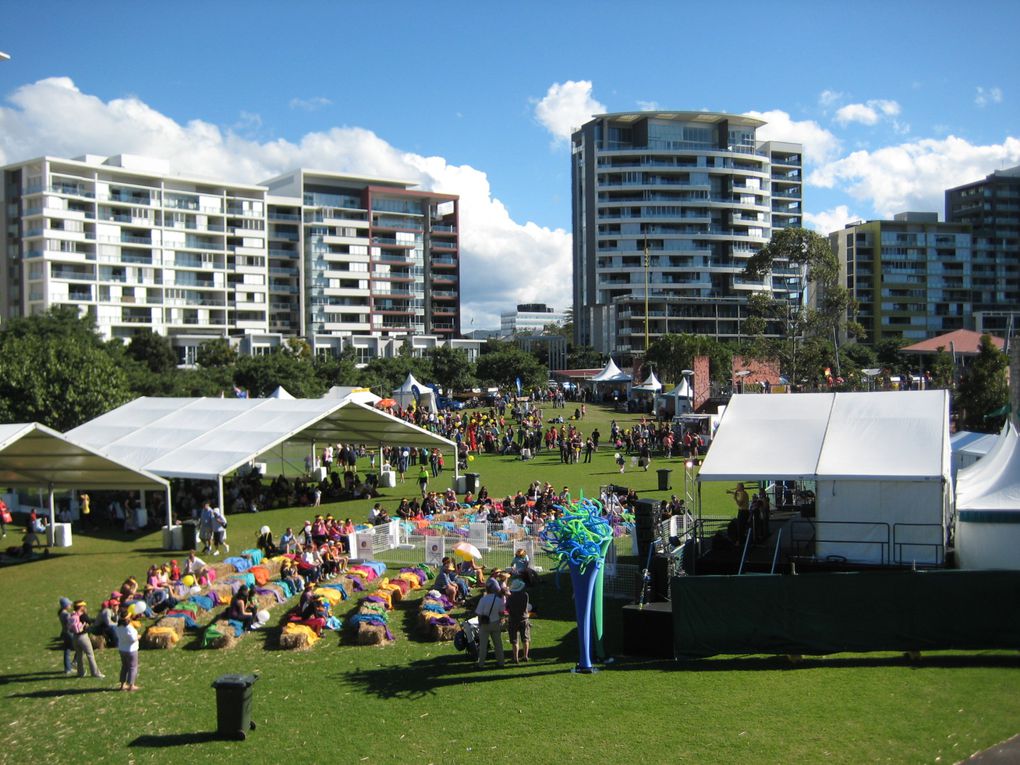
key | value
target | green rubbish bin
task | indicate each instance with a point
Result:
(233, 705)
(472, 483)
(664, 478)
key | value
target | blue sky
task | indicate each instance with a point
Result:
(895, 101)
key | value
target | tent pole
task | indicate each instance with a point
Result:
(219, 485)
(379, 459)
(51, 532)
(169, 509)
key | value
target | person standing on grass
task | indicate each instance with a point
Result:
(490, 613)
(127, 645)
(66, 639)
(423, 480)
(78, 625)
(219, 530)
(518, 606)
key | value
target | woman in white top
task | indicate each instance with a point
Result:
(127, 644)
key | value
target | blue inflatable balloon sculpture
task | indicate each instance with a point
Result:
(578, 539)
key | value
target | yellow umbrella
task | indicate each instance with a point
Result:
(466, 551)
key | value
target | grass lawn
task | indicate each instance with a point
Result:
(424, 702)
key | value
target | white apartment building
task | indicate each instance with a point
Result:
(317, 255)
(667, 208)
(529, 318)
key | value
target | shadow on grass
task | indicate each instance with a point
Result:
(774, 663)
(58, 692)
(175, 739)
(31, 677)
(423, 678)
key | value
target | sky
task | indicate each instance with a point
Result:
(894, 101)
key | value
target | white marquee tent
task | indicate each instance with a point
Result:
(360, 395)
(208, 438)
(611, 374)
(35, 456)
(880, 462)
(651, 385)
(404, 395)
(968, 447)
(988, 508)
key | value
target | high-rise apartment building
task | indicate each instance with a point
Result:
(529, 318)
(911, 276)
(312, 254)
(992, 208)
(667, 208)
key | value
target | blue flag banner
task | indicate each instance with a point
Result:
(518, 386)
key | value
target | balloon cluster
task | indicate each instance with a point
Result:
(576, 537)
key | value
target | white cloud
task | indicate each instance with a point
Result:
(867, 113)
(828, 98)
(914, 175)
(649, 106)
(830, 220)
(566, 106)
(819, 144)
(504, 262)
(309, 104)
(987, 96)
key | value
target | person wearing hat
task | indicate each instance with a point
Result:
(518, 607)
(743, 501)
(64, 614)
(490, 613)
(78, 626)
(127, 645)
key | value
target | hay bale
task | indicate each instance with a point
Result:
(295, 641)
(174, 623)
(266, 602)
(223, 570)
(272, 566)
(224, 592)
(98, 641)
(160, 639)
(371, 634)
(442, 632)
(226, 638)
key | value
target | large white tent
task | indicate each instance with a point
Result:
(35, 456)
(611, 374)
(208, 438)
(405, 394)
(988, 508)
(880, 462)
(361, 395)
(650, 385)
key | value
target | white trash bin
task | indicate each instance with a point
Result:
(62, 535)
(173, 538)
(388, 479)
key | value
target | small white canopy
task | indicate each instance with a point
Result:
(280, 392)
(651, 385)
(361, 395)
(611, 374)
(683, 390)
(969, 447)
(206, 438)
(988, 514)
(404, 395)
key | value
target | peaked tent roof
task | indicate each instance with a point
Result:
(409, 384)
(849, 436)
(280, 392)
(361, 395)
(969, 442)
(999, 488)
(683, 390)
(965, 342)
(651, 384)
(973, 479)
(33, 455)
(611, 373)
(208, 437)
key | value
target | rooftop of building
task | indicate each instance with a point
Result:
(708, 118)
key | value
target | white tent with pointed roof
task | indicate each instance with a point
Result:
(611, 374)
(280, 392)
(405, 394)
(650, 385)
(988, 510)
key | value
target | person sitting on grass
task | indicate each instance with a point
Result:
(448, 578)
(289, 574)
(310, 564)
(264, 542)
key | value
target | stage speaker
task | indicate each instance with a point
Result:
(660, 578)
(646, 521)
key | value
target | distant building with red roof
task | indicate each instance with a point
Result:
(962, 342)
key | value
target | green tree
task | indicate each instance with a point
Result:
(943, 369)
(216, 353)
(671, 354)
(584, 357)
(503, 367)
(261, 375)
(382, 375)
(154, 351)
(452, 369)
(57, 371)
(984, 390)
(337, 370)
